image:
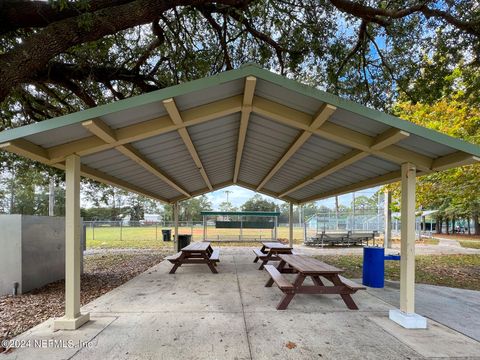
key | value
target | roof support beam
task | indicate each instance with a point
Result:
(26, 149)
(104, 132)
(365, 184)
(458, 158)
(147, 129)
(129, 151)
(387, 138)
(318, 120)
(250, 83)
(334, 166)
(34, 152)
(340, 134)
(203, 191)
(98, 128)
(177, 119)
(110, 180)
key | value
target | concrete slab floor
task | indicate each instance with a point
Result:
(195, 314)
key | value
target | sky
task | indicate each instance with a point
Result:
(239, 195)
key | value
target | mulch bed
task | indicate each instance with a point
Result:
(102, 273)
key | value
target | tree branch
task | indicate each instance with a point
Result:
(19, 14)
(361, 39)
(221, 37)
(31, 56)
(383, 16)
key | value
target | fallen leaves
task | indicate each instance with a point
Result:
(102, 273)
(456, 270)
(291, 345)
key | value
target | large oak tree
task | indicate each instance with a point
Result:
(61, 56)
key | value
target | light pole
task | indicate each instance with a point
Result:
(228, 192)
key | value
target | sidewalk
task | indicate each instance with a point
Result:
(195, 314)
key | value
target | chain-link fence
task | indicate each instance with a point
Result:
(332, 221)
(142, 234)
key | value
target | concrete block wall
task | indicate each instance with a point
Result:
(32, 251)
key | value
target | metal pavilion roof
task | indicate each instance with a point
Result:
(248, 127)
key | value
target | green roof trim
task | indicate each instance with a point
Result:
(125, 104)
(243, 71)
(245, 213)
(362, 110)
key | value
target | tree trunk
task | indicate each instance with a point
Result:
(468, 226)
(476, 224)
(447, 223)
(453, 225)
(439, 225)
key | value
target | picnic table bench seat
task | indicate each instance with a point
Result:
(304, 267)
(259, 253)
(281, 281)
(215, 255)
(173, 258)
(352, 285)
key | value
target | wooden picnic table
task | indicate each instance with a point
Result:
(270, 252)
(305, 267)
(196, 253)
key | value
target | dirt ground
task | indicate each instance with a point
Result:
(102, 273)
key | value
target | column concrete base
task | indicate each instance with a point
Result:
(408, 321)
(64, 323)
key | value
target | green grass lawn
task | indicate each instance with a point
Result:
(459, 271)
(470, 244)
(150, 237)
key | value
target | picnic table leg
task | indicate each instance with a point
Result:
(256, 257)
(177, 264)
(212, 267)
(283, 304)
(347, 299)
(175, 267)
(316, 280)
(209, 251)
(210, 263)
(265, 261)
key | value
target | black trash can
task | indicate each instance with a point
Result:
(184, 240)
(167, 234)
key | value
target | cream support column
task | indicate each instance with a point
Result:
(387, 242)
(406, 316)
(73, 319)
(176, 244)
(290, 224)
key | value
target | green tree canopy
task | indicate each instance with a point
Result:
(59, 56)
(258, 203)
(454, 192)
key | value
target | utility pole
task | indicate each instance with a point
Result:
(353, 226)
(227, 192)
(336, 211)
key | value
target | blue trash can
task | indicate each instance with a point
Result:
(373, 267)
